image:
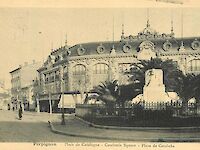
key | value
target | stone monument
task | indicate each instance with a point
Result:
(154, 89)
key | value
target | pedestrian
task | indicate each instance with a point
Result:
(20, 112)
(8, 106)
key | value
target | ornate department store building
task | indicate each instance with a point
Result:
(84, 66)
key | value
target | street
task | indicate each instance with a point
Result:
(32, 128)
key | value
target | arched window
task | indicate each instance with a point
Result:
(51, 78)
(194, 65)
(100, 73)
(57, 75)
(124, 68)
(79, 70)
(100, 69)
(79, 76)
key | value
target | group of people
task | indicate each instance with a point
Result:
(20, 111)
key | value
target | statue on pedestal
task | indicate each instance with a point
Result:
(154, 89)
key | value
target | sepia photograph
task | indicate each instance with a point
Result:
(100, 76)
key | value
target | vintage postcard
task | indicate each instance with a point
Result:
(100, 74)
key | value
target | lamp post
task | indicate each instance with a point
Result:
(62, 93)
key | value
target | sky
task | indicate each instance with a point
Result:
(29, 33)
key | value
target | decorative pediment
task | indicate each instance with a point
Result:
(146, 51)
(50, 61)
(147, 45)
(148, 33)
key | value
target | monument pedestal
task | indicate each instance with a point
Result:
(155, 94)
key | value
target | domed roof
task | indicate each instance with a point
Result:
(163, 46)
(163, 43)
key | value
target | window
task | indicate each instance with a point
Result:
(124, 67)
(79, 77)
(46, 78)
(100, 69)
(57, 75)
(100, 73)
(194, 65)
(79, 70)
(51, 77)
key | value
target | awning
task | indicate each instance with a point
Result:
(46, 97)
(69, 101)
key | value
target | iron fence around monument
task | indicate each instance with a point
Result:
(176, 109)
(143, 114)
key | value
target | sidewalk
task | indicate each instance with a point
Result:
(76, 127)
(27, 116)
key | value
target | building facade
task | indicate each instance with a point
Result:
(83, 66)
(4, 96)
(22, 84)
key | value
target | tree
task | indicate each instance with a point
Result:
(186, 90)
(186, 87)
(196, 88)
(111, 94)
(108, 92)
(128, 92)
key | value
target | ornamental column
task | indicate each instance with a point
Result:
(113, 70)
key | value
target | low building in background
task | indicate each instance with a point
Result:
(22, 85)
(4, 96)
